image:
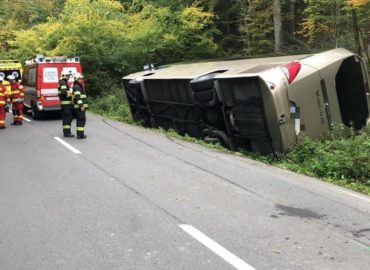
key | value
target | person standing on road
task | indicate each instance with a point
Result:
(66, 106)
(16, 97)
(80, 105)
(4, 100)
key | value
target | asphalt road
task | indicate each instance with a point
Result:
(131, 198)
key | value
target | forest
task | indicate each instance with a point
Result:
(114, 38)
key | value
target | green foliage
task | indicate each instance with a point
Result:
(336, 157)
(112, 41)
(114, 38)
(328, 24)
(112, 105)
(259, 27)
(26, 13)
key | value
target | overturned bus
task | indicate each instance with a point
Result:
(258, 104)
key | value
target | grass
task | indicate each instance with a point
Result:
(336, 157)
(113, 105)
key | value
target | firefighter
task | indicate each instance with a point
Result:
(16, 97)
(66, 105)
(79, 104)
(4, 100)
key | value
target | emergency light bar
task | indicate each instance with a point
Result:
(56, 59)
(5, 62)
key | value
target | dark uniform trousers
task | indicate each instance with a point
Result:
(79, 101)
(66, 106)
(67, 117)
(80, 123)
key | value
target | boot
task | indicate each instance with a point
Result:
(81, 137)
(80, 134)
(67, 133)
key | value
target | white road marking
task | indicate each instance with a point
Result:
(28, 120)
(70, 147)
(216, 248)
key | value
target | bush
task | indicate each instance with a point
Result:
(113, 105)
(335, 157)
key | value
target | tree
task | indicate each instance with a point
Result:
(277, 25)
(260, 27)
(112, 41)
(328, 24)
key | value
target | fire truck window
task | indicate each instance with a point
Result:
(50, 75)
(31, 77)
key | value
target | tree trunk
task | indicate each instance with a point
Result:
(244, 5)
(355, 32)
(277, 25)
(292, 17)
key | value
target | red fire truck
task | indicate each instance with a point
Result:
(40, 78)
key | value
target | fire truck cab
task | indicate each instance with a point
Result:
(10, 67)
(41, 77)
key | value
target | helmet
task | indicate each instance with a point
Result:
(78, 76)
(63, 76)
(11, 77)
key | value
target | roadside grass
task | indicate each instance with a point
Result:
(339, 158)
(113, 105)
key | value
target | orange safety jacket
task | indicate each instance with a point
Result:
(4, 98)
(17, 92)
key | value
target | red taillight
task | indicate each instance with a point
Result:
(38, 93)
(291, 70)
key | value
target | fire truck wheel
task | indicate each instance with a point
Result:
(25, 109)
(36, 114)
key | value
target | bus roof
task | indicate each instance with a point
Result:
(235, 68)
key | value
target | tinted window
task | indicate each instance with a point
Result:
(351, 93)
(31, 77)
